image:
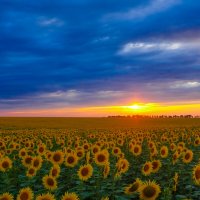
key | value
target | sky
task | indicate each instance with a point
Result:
(99, 58)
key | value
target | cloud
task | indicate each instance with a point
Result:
(50, 22)
(63, 99)
(146, 47)
(153, 7)
(186, 85)
(63, 53)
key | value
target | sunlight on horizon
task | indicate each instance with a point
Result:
(103, 111)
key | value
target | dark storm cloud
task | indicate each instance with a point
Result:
(97, 47)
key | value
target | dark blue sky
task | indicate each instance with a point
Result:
(94, 52)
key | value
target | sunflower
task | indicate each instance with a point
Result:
(41, 149)
(149, 190)
(102, 157)
(46, 196)
(37, 162)
(57, 157)
(188, 156)
(71, 160)
(151, 144)
(106, 170)
(105, 198)
(175, 157)
(172, 147)
(147, 168)
(70, 196)
(9, 151)
(27, 161)
(153, 151)
(25, 194)
(55, 171)
(31, 172)
(120, 141)
(5, 164)
(122, 165)
(136, 150)
(80, 153)
(88, 158)
(86, 146)
(49, 182)
(156, 164)
(6, 196)
(164, 151)
(95, 148)
(116, 151)
(197, 142)
(134, 187)
(48, 155)
(85, 172)
(196, 174)
(22, 153)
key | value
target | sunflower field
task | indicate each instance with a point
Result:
(100, 164)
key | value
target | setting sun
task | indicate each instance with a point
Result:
(135, 107)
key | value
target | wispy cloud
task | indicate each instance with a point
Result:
(146, 47)
(44, 21)
(185, 85)
(153, 7)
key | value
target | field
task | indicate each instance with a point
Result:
(99, 158)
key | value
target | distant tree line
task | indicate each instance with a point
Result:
(154, 116)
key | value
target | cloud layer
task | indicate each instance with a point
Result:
(81, 53)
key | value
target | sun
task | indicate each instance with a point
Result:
(135, 107)
(138, 107)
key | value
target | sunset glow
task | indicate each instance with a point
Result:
(102, 111)
(99, 58)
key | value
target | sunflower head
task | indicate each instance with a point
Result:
(49, 182)
(164, 151)
(116, 151)
(6, 196)
(71, 160)
(134, 187)
(149, 190)
(57, 157)
(22, 153)
(187, 156)
(37, 162)
(80, 153)
(122, 165)
(102, 157)
(156, 164)
(41, 149)
(196, 174)
(147, 168)
(25, 194)
(31, 172)
(70, 196)
(46, 196)
(106, 170)
(27, 161)
(55, 171)
(136, 150)
(85, 172)
(95, 148)
(197, 142)
(5, 164)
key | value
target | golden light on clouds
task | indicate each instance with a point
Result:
(103, 111)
